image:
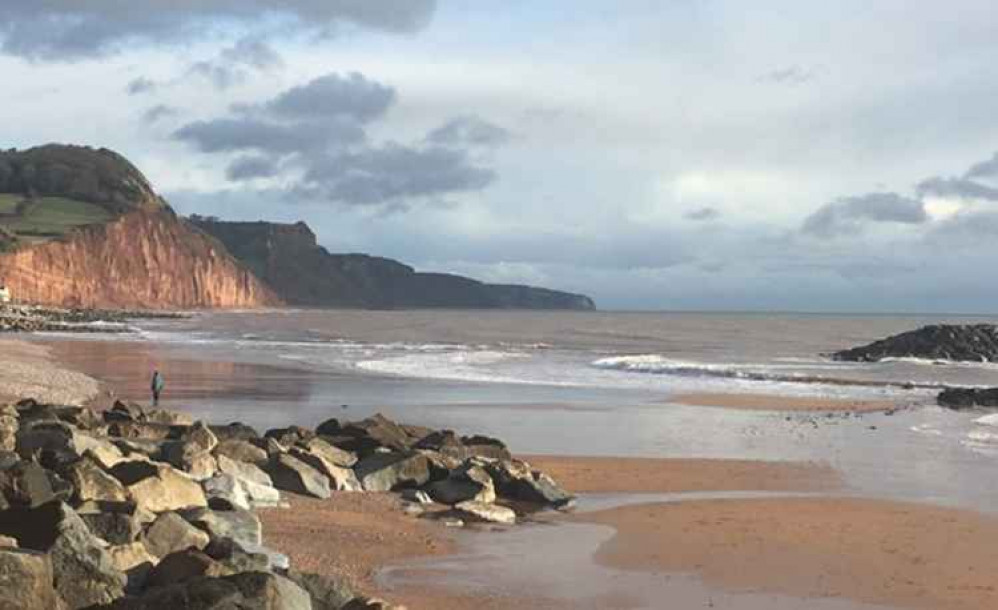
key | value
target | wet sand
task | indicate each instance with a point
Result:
(890, 553)
(353, 534)
(652, 475)
(126, 367)
(775, 402)
(874, 551)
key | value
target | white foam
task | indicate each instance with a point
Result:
(987, 420)
(469, 365)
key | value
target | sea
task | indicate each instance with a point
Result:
(577, 383)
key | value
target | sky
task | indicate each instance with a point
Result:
(670, 154)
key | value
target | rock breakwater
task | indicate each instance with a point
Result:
(954, 342)
(144, 509)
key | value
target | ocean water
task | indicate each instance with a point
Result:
(590, 383)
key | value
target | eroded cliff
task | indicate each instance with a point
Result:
(288, 258)
(143, 259)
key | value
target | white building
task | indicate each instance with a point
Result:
(4, 294)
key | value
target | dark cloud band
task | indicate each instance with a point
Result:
(70, 29)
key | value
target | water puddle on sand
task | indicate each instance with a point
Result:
(554, 560)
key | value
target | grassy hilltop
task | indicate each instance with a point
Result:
(49, 190)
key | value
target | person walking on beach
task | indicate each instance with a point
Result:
(157, 387)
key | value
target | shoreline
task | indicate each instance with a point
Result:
(29, 370)
(359, 533)
(784, 403)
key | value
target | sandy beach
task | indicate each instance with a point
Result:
(867, 550)
(28, 370)
(582, 474)
(897, 554)
(777, 402)
(354, 535)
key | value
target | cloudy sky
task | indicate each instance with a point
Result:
(655, 154)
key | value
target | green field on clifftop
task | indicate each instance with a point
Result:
(48, 217)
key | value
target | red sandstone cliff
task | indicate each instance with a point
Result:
(143, 259)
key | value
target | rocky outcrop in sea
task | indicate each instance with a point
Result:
(965, 343)
(144, 509)
(968, 398)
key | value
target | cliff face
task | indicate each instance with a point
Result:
(301, 272)
(143, 259)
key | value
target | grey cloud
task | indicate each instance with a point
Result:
(469, 130)
(240, 134)
(379, 175)
(956, 187)
(220, 75)
(249, 168)
(160, 111)
(141, 85)
(231, 66)
(314, 136)
(792, 75)
(333, 95)
(254, 53)
(70, 29)
(966, 229)
(984, 169)
(849, 213)
(703, 214)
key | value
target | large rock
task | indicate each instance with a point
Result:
(158, 487)
(254, 482)
(969, 343)
(329, 452)
(134, 560)
(46, 437)
(225, 492)
(192, 451)
(388, 471)
(245, 591)
(92, 483)
(968, 398)
(516, 480)
(26, 581)
(141, 431)
(234, 431)
(290, 435)
(242, 526)
(340, 477)
(114, 525)
(237, 558)
(183, 566)
(9, 425)
(170, 418)
(170, 533)
(369, 434)
(241, 451)
(470, 482)
(487, 513)
(327, 592)
(291, 474)
(243, 470)
(84, 573)
(450, 444)
(25, 484)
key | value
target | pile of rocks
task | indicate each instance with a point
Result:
(953, 342)
(968, 398)
(34, 318)
(136, 509)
